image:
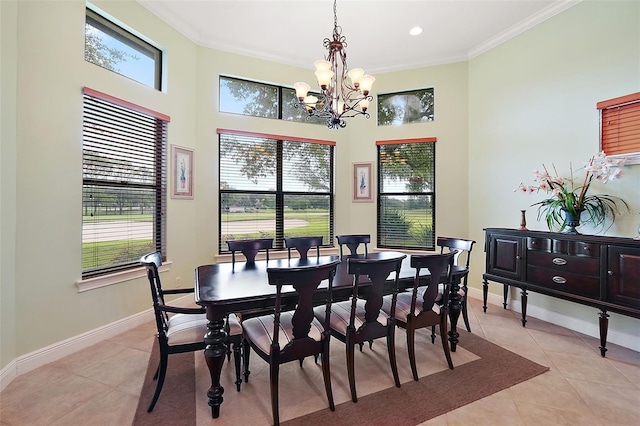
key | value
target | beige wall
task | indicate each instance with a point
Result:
(532, 100)
(528, 101)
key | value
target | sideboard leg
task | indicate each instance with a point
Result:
(485, 293)
(604, 325)
(523, 297)
(505, 293)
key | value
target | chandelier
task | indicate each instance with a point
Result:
(343, 93)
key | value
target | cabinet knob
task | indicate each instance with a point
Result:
(610, 273)
(559, 261)
(559, 280)
(518, 257)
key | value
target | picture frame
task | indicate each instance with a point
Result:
(362, 182)
(182, 167)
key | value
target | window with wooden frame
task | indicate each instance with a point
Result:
(123, 184)
(275, 187)
(407, 193)
(620, 127)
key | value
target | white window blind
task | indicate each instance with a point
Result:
(124, 183)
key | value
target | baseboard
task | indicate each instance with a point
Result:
(54, 352)
(585, 327)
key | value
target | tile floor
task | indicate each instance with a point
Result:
(100, 385)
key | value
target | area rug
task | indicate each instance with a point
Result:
(491, 370)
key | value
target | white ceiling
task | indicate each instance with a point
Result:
(377, 32)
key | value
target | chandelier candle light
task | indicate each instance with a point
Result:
(343, 93)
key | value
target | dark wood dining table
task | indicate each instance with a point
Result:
(242, 287)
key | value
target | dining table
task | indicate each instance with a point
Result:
(243, 288)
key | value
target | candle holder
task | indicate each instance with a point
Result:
(523, 221)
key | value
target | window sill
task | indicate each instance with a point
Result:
(116, 278)
(631, 158)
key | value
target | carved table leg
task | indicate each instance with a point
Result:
(485, 293)
(523, 297)
(214, 354)
(505, 294)
(604, 325)
(454, 313)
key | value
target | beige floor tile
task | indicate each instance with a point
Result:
(90, 356)
(114, 408)
(494, 410)
(551, 342)
(119, 368)
(592, 368)
(141, 337)
(630, 370)
(611, 404)
(549, 391)
(541, 415)
(52, 400)
(614, 351)
(539, 325)
(436, 421)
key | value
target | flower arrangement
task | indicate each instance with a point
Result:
(569, 197)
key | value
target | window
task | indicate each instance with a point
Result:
(261, 100)
(406, 193)
(114, 48)
(415, 106)
(123, 183)
(274, 186)
(620, 127)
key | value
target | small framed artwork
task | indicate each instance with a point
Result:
(182, 172)
(362, 189)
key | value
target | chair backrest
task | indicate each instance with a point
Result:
(305, 281)
(152, 262)
(249, 248)
(378, 271)
(459, 244)
(353, 241)
(439, 265)
(303, 244)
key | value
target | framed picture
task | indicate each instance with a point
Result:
(182, 172)
(362, 189)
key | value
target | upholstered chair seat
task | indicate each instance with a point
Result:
(259, 330)
(341, 315)
(403, 303)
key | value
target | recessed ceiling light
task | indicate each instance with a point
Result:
(415, 31)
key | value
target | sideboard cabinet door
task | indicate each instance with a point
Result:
(505, 256)
(623, 270)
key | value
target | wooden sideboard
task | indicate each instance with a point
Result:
(598, 271)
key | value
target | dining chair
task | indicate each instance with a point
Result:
(352, 242)
(448, 244)
(181, 329)
(302, 245)
(249, 248)
(424, 306)
(283, 337)
(358, 320)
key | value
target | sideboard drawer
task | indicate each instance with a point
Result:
(563, 263)
(554, 245)
(568, 282)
